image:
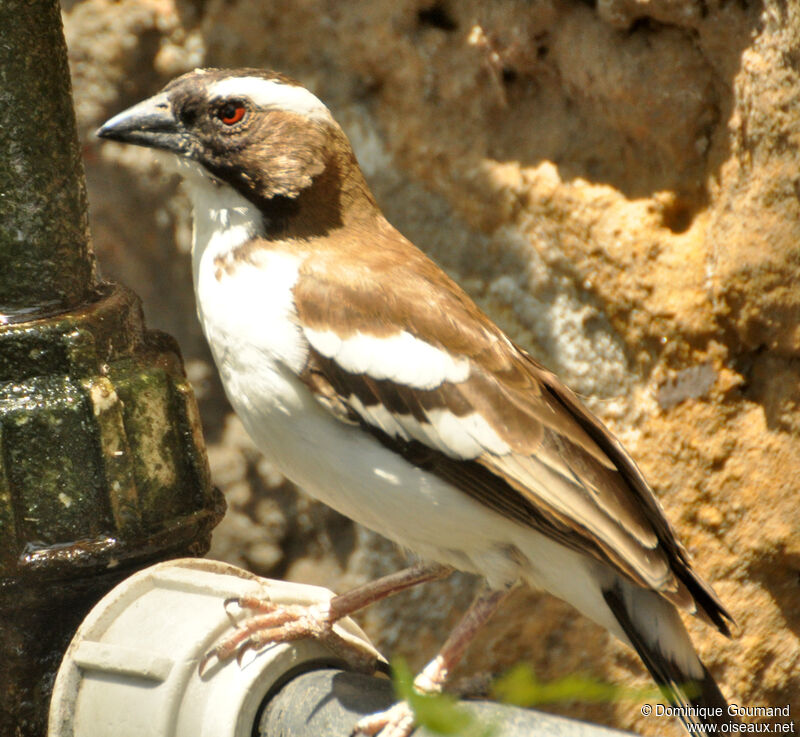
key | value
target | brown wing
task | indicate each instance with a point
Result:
(555, 467)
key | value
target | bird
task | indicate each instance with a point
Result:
(376, 384)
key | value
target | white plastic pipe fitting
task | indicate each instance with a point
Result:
(132, 668)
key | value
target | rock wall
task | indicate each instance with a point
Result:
(616, 182)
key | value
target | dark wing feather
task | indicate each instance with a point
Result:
(707, 603)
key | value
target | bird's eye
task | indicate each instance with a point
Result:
(231, 113)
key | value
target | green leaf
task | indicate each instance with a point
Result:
(520, 687)
(442, 714)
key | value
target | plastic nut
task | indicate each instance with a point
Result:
(132, 668)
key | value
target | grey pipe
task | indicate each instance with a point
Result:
(328, 703)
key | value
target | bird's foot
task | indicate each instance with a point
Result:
(272, 624)
(397, 721)
(275, 623)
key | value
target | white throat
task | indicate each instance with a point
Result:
(245, 306)
(223, 219)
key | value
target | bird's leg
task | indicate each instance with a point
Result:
(287, 622)
(398, 721)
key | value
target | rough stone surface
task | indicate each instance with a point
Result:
(616, 184)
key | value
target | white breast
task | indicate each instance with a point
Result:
(246, 307)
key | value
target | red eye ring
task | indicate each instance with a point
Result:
(231, 113)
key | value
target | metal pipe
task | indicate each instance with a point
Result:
(329, 702)
(46, 263)
(102, 463)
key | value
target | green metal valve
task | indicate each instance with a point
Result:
(102, 463)
(101, 455)
(102, 471)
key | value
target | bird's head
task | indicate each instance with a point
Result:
(259, 132)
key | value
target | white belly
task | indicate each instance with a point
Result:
(347, 469)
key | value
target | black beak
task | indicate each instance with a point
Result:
(150, 123)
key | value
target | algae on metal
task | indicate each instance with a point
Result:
(102, 471)
(47, 264)
(102, 463)
(100, 442)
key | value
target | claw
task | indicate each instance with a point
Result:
(241, 651)
(206, 659)
(226, 606)
(397, 721)
(280, 624)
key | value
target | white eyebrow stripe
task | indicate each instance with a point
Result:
(270, 93)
